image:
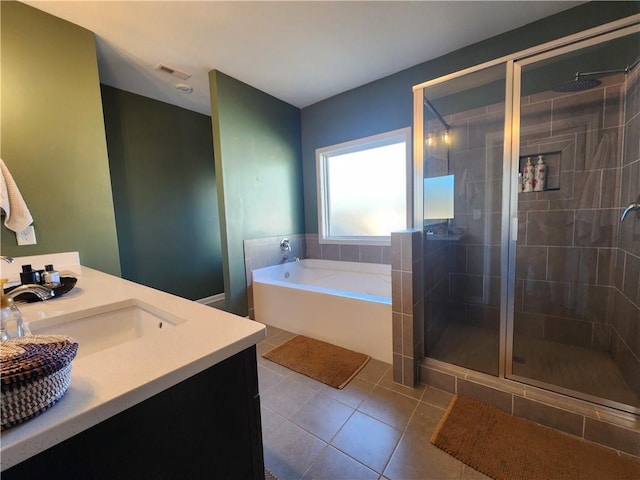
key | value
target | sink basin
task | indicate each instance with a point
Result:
(109, 325)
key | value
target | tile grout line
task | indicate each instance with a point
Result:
(386, 465)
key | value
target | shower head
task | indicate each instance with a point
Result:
(577, 85)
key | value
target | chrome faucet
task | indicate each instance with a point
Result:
(285, 246)
(634, 207)
(6, 259)
(40, 291)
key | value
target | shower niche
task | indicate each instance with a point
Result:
(540, 290)
(553, 168)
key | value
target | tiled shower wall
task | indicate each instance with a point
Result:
(573, 285)
(437, 265)
(625, 321)
(462, 268)
(578, 267)
(568, 237)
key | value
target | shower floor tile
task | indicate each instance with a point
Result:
(573, 367)
(569, 366)
(371, 429)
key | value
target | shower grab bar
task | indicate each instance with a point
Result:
(633, 207)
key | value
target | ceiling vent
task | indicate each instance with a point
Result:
(172, 71)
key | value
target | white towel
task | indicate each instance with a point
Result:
(17, 216)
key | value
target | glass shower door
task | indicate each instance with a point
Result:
(462, 171)
(576, 313)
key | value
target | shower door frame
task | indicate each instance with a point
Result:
(513, 64)
(518, 64)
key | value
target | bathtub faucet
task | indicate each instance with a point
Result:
(288, 256)
(285, 245)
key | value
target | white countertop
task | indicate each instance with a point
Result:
(112, 380)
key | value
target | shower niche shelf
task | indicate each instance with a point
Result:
(553, 162)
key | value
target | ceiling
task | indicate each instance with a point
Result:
(298, 51)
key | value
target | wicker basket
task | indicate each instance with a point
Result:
(35, 373)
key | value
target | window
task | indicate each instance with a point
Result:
(362, 188)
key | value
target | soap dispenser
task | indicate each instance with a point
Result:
(527, 181)
(540, 175)
(10, 317)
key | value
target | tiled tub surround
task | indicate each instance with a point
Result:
(346, 253)
(265, 252)
(407, 332)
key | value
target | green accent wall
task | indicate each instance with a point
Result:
(387, 104)
(164, 192)
(258, 160)
(52, 136)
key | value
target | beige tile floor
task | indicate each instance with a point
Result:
(371, 429)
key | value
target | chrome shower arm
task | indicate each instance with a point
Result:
(626, 69)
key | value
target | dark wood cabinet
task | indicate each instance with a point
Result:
(205, 427)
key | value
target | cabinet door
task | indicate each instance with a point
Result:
(207, 426)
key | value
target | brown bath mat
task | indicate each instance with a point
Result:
(327, 363)
(511, 448)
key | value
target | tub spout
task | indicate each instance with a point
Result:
(289, 258)
(6, 259)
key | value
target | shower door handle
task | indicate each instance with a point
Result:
(631, 208)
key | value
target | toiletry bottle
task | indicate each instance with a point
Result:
(11, 324)
(540, 180)
(527, 180)
(51, 277)
(29, 275)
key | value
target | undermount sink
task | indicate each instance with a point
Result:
(109, 325)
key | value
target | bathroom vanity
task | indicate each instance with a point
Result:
(176, 401)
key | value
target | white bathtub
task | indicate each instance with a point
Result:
(344, 303)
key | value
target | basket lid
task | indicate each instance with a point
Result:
(25, 359)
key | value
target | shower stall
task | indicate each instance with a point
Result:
(525, 166)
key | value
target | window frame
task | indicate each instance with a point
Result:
(360, 144)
